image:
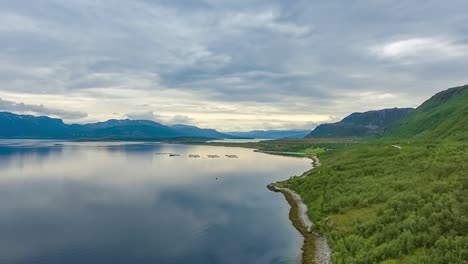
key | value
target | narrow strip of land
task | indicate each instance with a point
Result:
(315, 248)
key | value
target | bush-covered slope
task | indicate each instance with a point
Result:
(444, 116)
(376, 203)
(400, 199)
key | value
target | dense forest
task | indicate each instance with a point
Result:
(402, 198)
(376, 202)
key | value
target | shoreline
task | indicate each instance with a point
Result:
(315, 248)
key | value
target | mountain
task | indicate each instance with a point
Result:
(443, 116)
(27, 126)
(271, 134)
(129, 129)
(199, 132)
(371, 123)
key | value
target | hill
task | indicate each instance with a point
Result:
(443, 117)
(398, 199)
(42, 127)
(371, 123)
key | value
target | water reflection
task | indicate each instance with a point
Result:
(122, 203)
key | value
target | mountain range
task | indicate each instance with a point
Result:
(442, 116)
(42, 127)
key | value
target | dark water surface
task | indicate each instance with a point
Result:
(123, 203)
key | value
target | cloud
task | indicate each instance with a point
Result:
(181, 119)
(164, 119)
(421, 49)
(232, 63)
(6, 105)
(266, 20)
(143, 116)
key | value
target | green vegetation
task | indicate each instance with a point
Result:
(302, 147)
(402, 198)
(376, 203)
(371, 123)
(443, 117)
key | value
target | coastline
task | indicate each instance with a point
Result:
(315, 248)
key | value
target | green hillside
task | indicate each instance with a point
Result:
(360, 125)
(444, 116)
(399, 199)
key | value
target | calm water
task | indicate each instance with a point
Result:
(125, 203)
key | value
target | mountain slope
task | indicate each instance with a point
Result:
(443, 116)
(372, 123)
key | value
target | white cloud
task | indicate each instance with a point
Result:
(148, 115)
(421, 50)
(181, 119)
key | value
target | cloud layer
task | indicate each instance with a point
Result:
(40, 110)
(229, 64)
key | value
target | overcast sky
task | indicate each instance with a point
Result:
(227, 64)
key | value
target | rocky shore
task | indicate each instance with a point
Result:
(315, 248)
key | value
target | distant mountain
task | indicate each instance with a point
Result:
(271, 134)
(372, 123)
(199, 132)
(27, 126)
(442, 117)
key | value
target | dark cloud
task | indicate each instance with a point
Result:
(318, 56)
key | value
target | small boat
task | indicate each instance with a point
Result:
(174, 155)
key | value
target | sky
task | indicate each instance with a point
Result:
(233, 65)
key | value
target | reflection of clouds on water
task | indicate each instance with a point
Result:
(19, 157)
(122, 204)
